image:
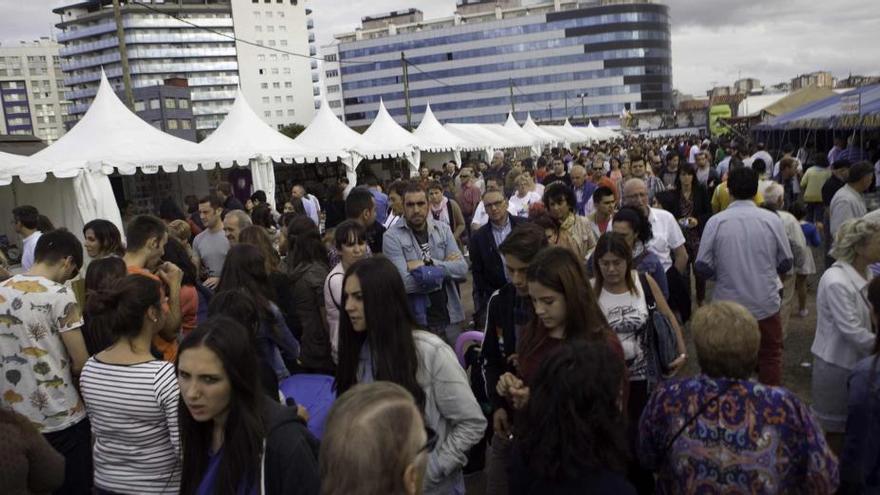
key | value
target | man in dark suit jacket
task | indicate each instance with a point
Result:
(486, 264)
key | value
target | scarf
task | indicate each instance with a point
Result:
(441, 212)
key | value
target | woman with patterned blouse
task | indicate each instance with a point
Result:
(721, 432)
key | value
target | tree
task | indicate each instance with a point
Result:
(292, 130)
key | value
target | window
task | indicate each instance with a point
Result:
(282, 28)
(278, 1)
(276, 85)
(258, 29)
(256, 12)
(294, 2)
(157, 124)
(283, 42)
(289, 98)
(140, 106)
(267, 113)
(280, 14)
(330, 58)
(259, 42)
(255, 1)
(333, 88)
(270, 29)
(335, 104)
(155, 104)
(290, 113)
(260, 71)
(277, 99)
(288, 84)
(182, 103)
(285, 56)
(275, 71)
(185, 124)
(170, 103)
(172, 124)
(269, 15)
(287, 70)
(271, 42)
(332, 73)
(264, 85)
(261, 57)
(265, 100)
(279, 113)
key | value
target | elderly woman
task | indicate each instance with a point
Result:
(560, 203)
(721, 432)
(843, 325)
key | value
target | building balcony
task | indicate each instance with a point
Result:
(139, 22)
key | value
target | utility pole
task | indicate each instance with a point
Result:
(123, 56)
(583, 108)
(550, 109)
(406, 91)
(512, 101)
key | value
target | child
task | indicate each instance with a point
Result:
(799, 210)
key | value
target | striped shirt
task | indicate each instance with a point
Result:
(133, 411)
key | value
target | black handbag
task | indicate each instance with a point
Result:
(661, 336)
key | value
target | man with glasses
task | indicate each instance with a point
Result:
(486, 263)
(427, 257)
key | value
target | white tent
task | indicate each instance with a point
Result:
(534, 142)
(566, 133)
(389, 134)
(437, 139)
(543, 136)
(246, 139)
(589, 133)
(481, 137)
(327, 134)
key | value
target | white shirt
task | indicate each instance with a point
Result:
(480, 216)
(667, 236)
(332, 304)
(692, 156)
(28, 245)
(763, 155)
(519, 207)
(390, 220)
(843, 326)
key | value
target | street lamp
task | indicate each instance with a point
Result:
(583, 108)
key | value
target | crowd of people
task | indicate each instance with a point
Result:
(327, 346)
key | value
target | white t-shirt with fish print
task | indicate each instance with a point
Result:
(35, 376)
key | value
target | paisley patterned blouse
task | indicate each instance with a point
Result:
(753, 439)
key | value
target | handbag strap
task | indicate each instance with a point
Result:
(649, 294)
(693, 418)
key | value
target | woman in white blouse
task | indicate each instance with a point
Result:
(844, 334)
(522, 199)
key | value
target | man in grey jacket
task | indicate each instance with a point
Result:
(848, 202)
(427, 257)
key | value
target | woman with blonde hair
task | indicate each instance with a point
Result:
(692, 428)
(375, 443)
(844, 333)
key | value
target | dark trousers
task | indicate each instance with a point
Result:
(75, 444)
(770, 352)
(679, 293)
(641, 478)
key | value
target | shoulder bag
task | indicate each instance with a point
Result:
(662, 338)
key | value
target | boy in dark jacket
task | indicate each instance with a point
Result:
(509, 310)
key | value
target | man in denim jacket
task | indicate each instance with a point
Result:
(420, 242)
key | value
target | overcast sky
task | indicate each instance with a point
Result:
(713, 41)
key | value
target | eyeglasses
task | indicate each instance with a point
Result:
(430, 443)
(496, 204)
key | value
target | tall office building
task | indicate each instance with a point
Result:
(31, 90)
(561, 58)
(332, 79)
(194, 40)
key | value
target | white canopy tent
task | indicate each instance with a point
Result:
(437, 139)
(535, 143)
(605, 133)
(244, 138)
(481, 137)
(327, 134)
(543, 136)
(389, 134)
(566, 133)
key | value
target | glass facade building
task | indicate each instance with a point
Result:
(561, 59)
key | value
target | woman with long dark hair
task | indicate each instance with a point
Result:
(102, 239)
(236, 441)
(307, 267)
(573, 438)
(245, 268)
(102, 274)
(565, 310)
(177, 254)
(378, 340)
(351, 244)
(278, 278)
(131, 396)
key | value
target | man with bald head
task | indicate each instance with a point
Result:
(583, 189)
(497, 169)
(667, 244)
